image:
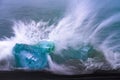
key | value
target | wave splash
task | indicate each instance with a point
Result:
(80, 30)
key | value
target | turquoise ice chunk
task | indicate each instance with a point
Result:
(32, 56)
(82, 53)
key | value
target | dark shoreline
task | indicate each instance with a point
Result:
(45, 75)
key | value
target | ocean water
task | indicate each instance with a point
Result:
(86, 33)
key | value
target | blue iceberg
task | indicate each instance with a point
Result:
(32, 56)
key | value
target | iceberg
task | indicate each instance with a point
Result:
(32, 56)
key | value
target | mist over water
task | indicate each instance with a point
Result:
(86, 24)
